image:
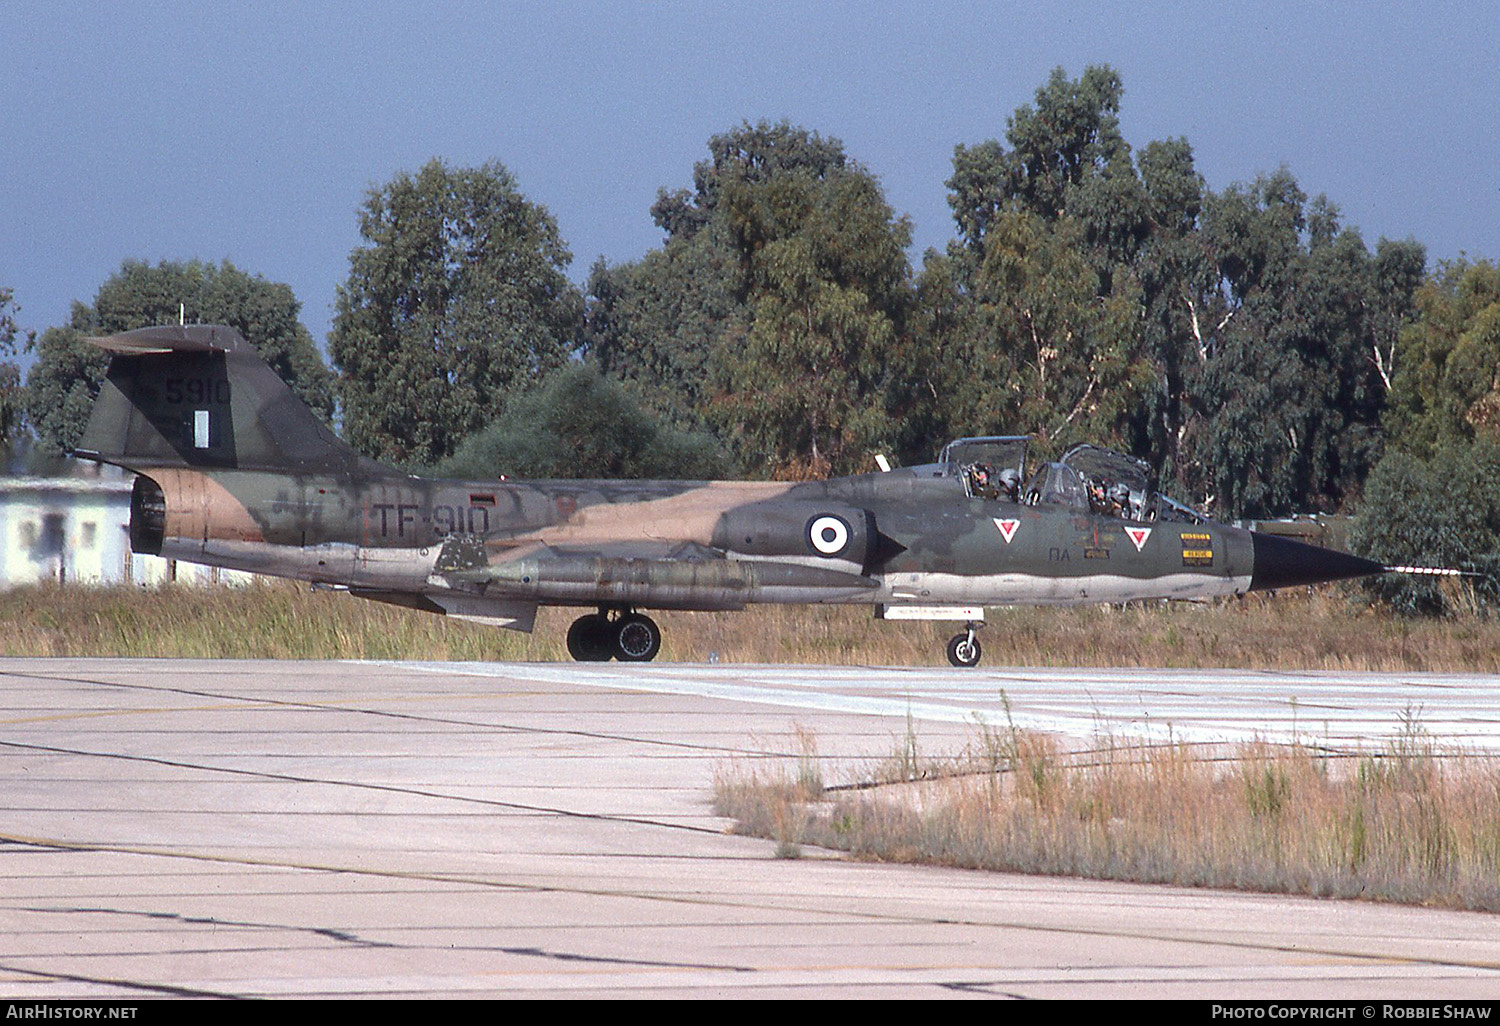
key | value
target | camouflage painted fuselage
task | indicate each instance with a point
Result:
(909, 536)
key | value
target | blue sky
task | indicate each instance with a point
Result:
(252, 131)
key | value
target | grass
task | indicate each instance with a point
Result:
(267, 620)
(1408, 823)
(1321, 630)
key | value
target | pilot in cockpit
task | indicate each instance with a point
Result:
(1010, 484)
(981, 482)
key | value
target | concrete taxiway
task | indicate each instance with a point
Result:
(470, 830)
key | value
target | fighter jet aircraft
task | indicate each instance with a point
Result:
(234, 471)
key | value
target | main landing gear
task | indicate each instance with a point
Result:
(629, 637)
(963, 649)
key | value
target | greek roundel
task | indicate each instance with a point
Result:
(828, 535)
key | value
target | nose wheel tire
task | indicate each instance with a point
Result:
(964, 650)
(637, 638)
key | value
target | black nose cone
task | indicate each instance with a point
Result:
(1283, 563)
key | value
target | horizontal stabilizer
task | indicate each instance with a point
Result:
(190, 338)
(171, 338)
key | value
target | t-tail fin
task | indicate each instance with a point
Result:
(200, 396)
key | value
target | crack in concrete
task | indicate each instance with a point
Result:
(341, 936)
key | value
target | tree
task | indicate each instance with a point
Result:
(827, 287)
(582, 424)
(12, 405)
(1182, 308)
(62, 385)
(1242, 341)
(1439, 509)
(655, 323)
(773, 311)
(1446, 384)
(1400, 271)
(652, 323)
(1032, 320)
(1044, 349)
(457, 304)
(1070, 141)
(1432, 499)
(1291, 394)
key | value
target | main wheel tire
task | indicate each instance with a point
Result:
(962, 651)
(591, 639)
(637, 638)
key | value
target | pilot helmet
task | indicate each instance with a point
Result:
(1010, 478)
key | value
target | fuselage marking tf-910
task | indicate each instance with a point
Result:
(234, 471)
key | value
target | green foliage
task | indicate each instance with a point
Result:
(1433, 499)
(1439, 509)
(1033, 340)
(654, 322)
(457, 303)
(1244, 341)
(65, 379)
(8, 329)
(775, 308)
(12, 405)
(827, 288)
(1182, 303)
(1292, 391)
(1446, 386)
(1033, 321)
(1069, 140)
(581, 424)
(62, 385)
(1240, 341)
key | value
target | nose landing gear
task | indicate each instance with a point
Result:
(629, 637)
(964, 649)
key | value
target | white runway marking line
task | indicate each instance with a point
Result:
(1343, 710)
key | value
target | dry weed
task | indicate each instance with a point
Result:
(1407, 823)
